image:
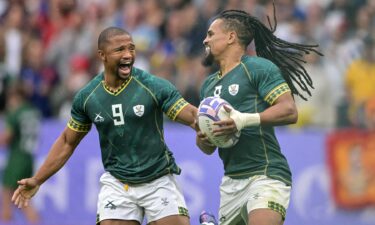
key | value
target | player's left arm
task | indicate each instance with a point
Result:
(282, 112)
(188, 116)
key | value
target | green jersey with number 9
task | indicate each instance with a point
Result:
(130, 124)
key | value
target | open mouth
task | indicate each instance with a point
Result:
(207, 50)
(125, 68)
(208, 58)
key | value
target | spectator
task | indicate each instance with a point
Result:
(14, 36)
(4, 73)
(360, 82)
(20, 136)
(38, 78)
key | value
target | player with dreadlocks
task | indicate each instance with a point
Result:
(257, 181)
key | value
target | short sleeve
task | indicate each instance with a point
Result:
(169, 98)
(270, 83)
(79, 120)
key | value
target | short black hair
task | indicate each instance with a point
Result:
(108, 33)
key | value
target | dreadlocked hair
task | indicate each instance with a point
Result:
(287, 56)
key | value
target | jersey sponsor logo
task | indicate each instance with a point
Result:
(233, 89)
(217, 91)
(110, 205)
(98, 118)
(256, 196)
(164, 201)
(139, 110)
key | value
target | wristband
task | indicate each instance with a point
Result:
(243, 120)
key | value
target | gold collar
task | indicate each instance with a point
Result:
(117, 90)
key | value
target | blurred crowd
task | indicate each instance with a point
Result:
(50, 47)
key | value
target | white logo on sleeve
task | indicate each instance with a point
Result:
(233, 89)
(139, 110)
(98, 118)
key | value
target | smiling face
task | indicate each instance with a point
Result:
(118, 55)
(216, 41)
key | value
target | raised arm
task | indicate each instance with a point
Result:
(59, 153)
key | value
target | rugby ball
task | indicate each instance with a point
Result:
(210, 110)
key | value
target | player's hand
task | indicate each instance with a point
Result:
(203, 139)
(239, 120)
(225, 127)
(27, 188)
(204, 143)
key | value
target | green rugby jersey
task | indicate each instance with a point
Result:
(251, 87)
(130, 124)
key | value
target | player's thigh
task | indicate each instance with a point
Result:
(269, 197)
(118, 222)
(175, 220)
(162, 199)
(240, 197)
(116, 203)
(265, 217)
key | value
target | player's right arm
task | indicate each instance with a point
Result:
(58, 155)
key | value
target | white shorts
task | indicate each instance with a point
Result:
(155, 200)
(240, 196)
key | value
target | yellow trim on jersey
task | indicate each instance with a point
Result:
(79, 127)
(117, 92)
(265, 149)
(247, 71)
(176, 108)
(161, 134)
(84, 104)
(218, 75)
(149, 91)
(276, 92)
